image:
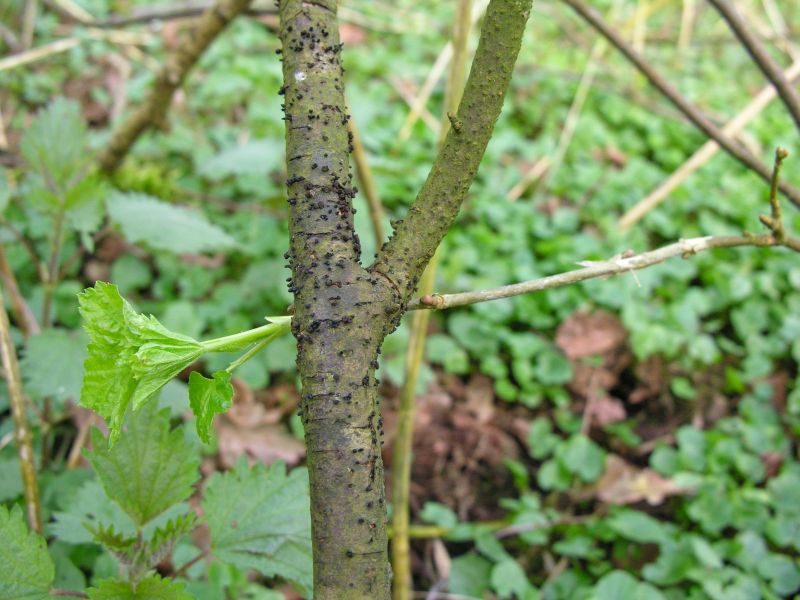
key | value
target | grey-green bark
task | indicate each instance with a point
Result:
(344, 311)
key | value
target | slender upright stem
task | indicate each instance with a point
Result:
(29, 13)
(367, 183)
(694, 114)
(52, 267)
(404, 437)
(26, 320)
(771, 69)
(22, 430)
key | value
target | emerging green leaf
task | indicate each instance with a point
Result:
(151, 588)
(209, 397)
(150, 469)
(259, 519)
(130, 356)
(163, 226)
(27, 571)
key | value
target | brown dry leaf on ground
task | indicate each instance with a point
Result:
(461, 440)
(252, 427)
(605, 410)
(624, 483)
(599, 334)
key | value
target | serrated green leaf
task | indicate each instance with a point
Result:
(209, 397)
(55, 143)
(163, 226)
(130, 356)
(470, 575)
(164, 538)
(150, 469)
(256, 157)
(259, 519)
(90, 506)
(150, 588)
(53, 364)
(27, 570)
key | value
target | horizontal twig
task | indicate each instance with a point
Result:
(621, 264)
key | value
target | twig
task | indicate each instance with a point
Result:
(628, 261)
(406, 91)
(404, 257)
(70, 593)
(22, 430)
(772, 71)
(606, 268)
(436, 72)
(694, 114)
(71, 10)
(404, 438)
(704, 154)
(367, 183)
(171, 76)
(688, 14)
(24, 58)
(29, 13)
(26, 321)
(10, 39)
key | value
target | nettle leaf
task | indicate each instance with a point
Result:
(53, 364)
(89, 510)
(55, 142)
(150, 469)
(256, 157)
(209, 397)
(150, 588)
(27, 570)
(163, 226)
(130, 356)
(259, 519)
(164, 539)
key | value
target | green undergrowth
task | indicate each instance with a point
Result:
(192, 230)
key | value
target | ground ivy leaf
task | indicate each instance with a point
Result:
(130, 356)
(150, 588)
(150, 469)
(209, 397)
(259, 519)
(27, 570)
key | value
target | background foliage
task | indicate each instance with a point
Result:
(683, 483)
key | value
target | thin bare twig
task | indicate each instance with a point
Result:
(19, 413)
(404, 438)
(26, 320)
(704, 154)
(367, 183)
(68, 593)
(24, 58)
(169, 79)
(693, 113)
(629, 261)
(772, 71)
(29, 13)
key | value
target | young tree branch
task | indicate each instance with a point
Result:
(629, 261)
(416, 238)
(772, 71)
(168, 80)
(694, 114)
(19, 413)
(621, 264)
